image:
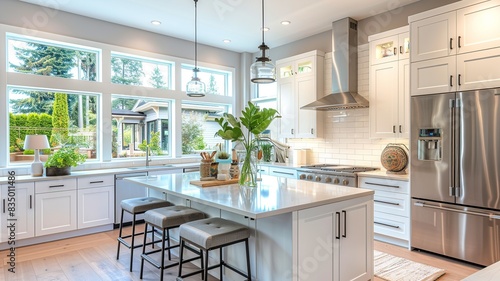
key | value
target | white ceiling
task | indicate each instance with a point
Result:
(237, 20)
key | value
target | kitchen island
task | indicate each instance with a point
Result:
(300, 230)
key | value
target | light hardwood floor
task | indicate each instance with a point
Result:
(93, 257)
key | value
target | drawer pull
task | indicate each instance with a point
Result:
(380, 184)
(31, 202)
(385, 224)
(96, 182)
(386, 202)
(337, 216)
(283, 173)
(3, 206)
(60, 185)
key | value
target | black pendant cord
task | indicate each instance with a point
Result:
(195, 38)
(263, 22)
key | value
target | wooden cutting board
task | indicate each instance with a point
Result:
(213, 182)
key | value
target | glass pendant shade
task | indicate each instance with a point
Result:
(195, 87)
(263, 70)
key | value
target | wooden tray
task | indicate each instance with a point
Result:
(213, 182)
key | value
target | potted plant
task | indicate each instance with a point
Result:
(255, 120)
(60, 163)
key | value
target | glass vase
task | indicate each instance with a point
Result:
(248, 169)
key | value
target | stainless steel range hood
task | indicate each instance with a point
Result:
(344, 70)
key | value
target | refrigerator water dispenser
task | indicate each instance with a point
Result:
(429, 144)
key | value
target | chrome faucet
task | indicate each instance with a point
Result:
(147, 156)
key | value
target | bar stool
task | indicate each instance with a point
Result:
(211, 234)
(165, 219)
(136, 206)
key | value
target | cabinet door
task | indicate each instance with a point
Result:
(23, 214)
(433, 37)
(433, 76)
(477, 27)
(478, 70)
(404, 99)
(306, 119)
(316, 234)
(404, 46)
(384, 50)
(55, 212)
(95, 206)
(356, 235)
(286, 101)
(384, 99)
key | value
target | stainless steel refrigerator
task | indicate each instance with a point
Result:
(455, 174)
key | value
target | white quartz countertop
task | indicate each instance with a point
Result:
(273, 196)
(110, 171)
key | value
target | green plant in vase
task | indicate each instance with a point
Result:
(255, 120)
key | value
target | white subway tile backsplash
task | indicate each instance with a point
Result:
(346, 138)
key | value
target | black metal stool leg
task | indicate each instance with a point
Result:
(221, 262)
(120, 235)
(249, 278)
(181, 250)
(143, 250)
(168, 244)
(162, 252)
(205, 270)
(132, 243)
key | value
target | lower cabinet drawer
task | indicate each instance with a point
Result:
(392, 203)
(391, 225)
(55, 185)
(388, 185)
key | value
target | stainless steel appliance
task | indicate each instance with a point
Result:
(332, 174)
(455, 174)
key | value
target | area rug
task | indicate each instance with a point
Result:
(393, 268)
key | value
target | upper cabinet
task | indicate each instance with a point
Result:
(390, 46)
(456, 50)
(300, 82)
(389, 85)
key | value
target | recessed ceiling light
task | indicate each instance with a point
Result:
(155, 22)
(286, 22)
(226, 41)
(265, 28)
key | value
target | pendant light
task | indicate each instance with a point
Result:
(263, 70)
(195, 87)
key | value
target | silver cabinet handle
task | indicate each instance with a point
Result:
(385, 224)
(31, 202)
(96, 182)
(386, 202)
(60, 185)
(3, 206)
(283, 173)
(380, 184)
(491, 216)
(337, 215)
(345, 224)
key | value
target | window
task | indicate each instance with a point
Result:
(135, 125)
(217, 82)
(40, 57)
(66, 118)
(265, 97)
(129, 70)
(199, 127)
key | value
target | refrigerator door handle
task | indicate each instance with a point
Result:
(452, 147)
(490, 216)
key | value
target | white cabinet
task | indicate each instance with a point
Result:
(17, 208)
(55, 206)
(390, 46)
(335, 241)
(95, 201)
(392, 209)
(389, 87)
(457, 50)
(300, 82)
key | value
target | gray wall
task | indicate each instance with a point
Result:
(393, 18)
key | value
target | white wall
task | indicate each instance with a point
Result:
(346, 139)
